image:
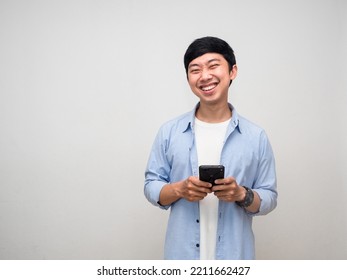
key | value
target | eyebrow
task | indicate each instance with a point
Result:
(208, 62)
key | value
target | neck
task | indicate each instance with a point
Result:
(213, 114)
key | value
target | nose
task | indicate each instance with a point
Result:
(206, 75)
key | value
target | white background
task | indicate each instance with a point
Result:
(85, 85)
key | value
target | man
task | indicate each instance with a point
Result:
(211, 221)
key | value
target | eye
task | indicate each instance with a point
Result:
(215, 65)
(194, 71)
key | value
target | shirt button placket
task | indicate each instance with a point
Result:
(197, 245)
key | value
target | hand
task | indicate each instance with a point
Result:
(228, 190)
(192, 189)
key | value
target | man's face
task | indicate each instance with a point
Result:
(209, 78)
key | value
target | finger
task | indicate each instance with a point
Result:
(220, 193)
(225, 181)
(199, 191)
(203, 184)
(204, 189)
(200, 183)
(224, 197)
(196, 196)
(224, 188)
(218, 188)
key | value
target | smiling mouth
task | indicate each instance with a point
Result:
(208, 87)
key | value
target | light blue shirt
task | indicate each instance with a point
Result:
(246, 155)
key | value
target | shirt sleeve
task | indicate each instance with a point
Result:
(157, 172)
(265, 183)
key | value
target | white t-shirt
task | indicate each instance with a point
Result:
(209, 139)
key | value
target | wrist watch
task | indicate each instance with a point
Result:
(248, 200)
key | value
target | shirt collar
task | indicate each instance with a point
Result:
(235, 119)
(190, 119)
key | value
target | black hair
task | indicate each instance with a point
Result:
(209, 44)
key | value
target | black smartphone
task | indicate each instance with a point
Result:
(210, 173)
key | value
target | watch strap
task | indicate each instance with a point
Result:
(248, 200)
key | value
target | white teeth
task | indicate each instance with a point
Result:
(208, 87)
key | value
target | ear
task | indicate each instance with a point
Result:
(233, 72)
